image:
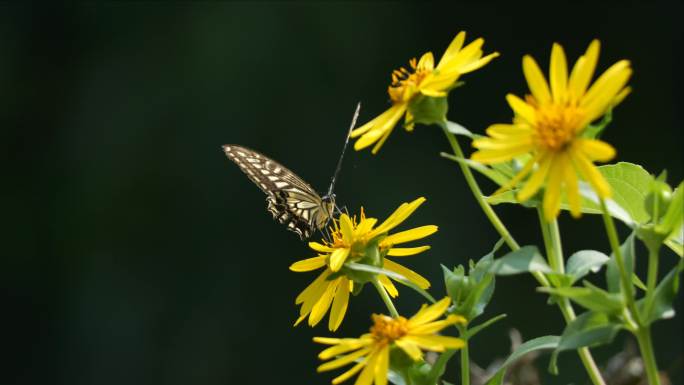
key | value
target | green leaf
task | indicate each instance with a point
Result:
(665, 294)
(589, 329)
(590, 297)
(612, 271)
(395, 378)
(457, 129)
(629, 182)
(584, 261)
(472, 331)
(676, 241)
(674, 216)
(359, 267)
(471, 293)
(526, 259)
(540, 343)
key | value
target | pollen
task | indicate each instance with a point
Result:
(557, 125)
(386, 330)
(405, 83)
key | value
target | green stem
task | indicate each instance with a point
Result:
(652, 279)
(646, 347)
(548, 242)
(554, 251)
(625, 278)
(465, 357)
(385, 298)
(470, 179)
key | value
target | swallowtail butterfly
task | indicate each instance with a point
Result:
(290, 199)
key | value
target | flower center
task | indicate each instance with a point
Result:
(386, 330)
(557, 125)
(405, 82)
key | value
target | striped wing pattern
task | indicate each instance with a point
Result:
(290, 200)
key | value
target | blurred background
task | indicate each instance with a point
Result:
(133, 252)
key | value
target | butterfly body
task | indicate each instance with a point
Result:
(290, 200)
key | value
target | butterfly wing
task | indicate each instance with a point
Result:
(291, 201)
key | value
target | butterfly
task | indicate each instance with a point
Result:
(290, 200)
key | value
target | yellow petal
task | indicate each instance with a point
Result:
(382, 127)
(477, 64)
(621, 96)
(399, 215)
(432, 93)
(584, 70)
(314, 288)
(426, 62)
(509, 142)
(406, 251)
(436, 343)
(388, 285)
(342, 361)
(323, 304)
(343, 346)
(536, 180)
(522, 109)
(409, 348)
(410, 235)
(378, 120)
(365, 226)
(591, 173)
(467, 55)
(558, 73)
(407, 273)
(337, 259)
(367, 375)
(382, 366)
(339, 306)
(596, 150)
(346, 228)
(552, 194)
(434, 327)
(430, 313)
(535, 80)
(504, 131)
(572, 187)
(499, 156)
(349, 373)
(604, 91)
(328, 340)
(308, 264)
(321, 248)
(453, 49)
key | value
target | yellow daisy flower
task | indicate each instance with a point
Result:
(352, 241)
(423, 78)
(549, 125)
(371, 351)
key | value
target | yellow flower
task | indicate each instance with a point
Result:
(549, 125)
(371, 351)
(422, 79)
(352, 241)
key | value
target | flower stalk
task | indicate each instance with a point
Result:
(385, 297)
(642, 330)
(554, 251)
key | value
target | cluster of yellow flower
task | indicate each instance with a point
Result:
(548, 132)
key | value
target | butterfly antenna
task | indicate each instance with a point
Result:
(339, 162)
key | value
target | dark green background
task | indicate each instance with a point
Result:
(133, 252)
